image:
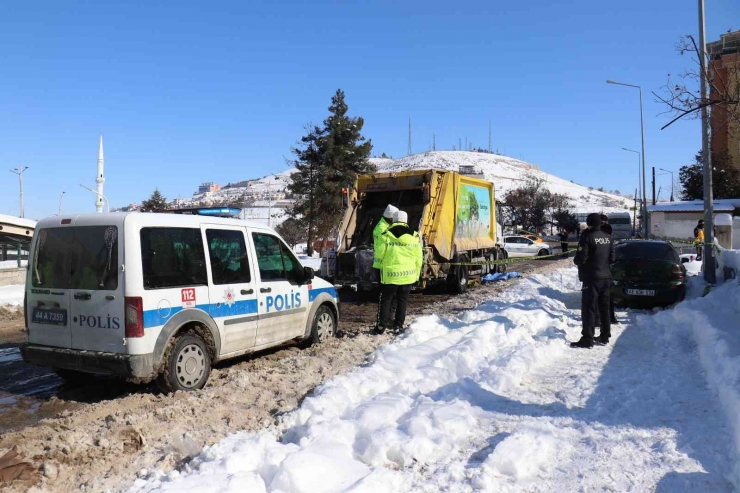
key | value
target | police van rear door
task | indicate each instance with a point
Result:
(96, 315)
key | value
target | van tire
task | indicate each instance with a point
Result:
(187, 364)
(73, 376)
(324, 325)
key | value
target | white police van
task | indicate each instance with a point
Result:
(156, 295)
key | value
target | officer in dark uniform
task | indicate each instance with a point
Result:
(607, 228)
(594, 256)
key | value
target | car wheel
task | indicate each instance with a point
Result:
(73, 376)
(324, 325)
(187, 364)
(542, 253)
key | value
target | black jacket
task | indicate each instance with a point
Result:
(606, 228)
(563, 237)
(595, 255)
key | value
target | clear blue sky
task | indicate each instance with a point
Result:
(189, 91)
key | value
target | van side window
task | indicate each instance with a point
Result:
(274, 259)
(172, 257)
(228, 253)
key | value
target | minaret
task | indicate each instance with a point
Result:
(99, 179)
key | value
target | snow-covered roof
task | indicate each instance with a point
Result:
(720, 205)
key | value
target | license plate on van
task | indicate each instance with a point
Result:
(49, 317)
(641, 292)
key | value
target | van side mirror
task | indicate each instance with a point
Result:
(308, 274)
(684, 261)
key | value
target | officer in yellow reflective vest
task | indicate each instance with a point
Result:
(401, 257)
(380, 228)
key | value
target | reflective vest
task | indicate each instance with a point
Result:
(400, 257)
(380, 228)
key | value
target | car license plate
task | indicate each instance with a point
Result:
(641, 292)
(49, 317)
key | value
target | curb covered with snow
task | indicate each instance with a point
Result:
(12, 295)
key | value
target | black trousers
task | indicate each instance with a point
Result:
(564, 247)
(595, 307)
(389, 292)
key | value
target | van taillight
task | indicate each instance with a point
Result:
(25, 309)
(134, 316)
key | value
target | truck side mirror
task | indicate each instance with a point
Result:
(308, 274)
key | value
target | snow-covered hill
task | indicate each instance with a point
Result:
(505, 172)
(508, 173)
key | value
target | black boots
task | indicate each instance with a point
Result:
(583, 342)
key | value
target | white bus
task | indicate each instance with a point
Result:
(153, 295)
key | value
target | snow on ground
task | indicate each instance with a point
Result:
(495, 400)
(12, 295)
(12, 264)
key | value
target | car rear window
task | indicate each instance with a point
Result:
(645, 250)
(78, 257)
(172, 257)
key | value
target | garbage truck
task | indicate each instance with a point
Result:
(455, 215)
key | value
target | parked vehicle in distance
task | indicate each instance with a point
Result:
(647, 273)
(531, 236)
(621, 223)
(521, 246)
(165, 296)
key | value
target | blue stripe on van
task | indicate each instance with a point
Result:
(312, 294)
(153, 318)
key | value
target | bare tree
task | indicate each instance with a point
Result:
(682, 97)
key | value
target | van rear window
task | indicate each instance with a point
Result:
(79, 257)
(172, 257)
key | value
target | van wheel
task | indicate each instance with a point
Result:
(187, 365)
(324, 325)
(73, 376)
(457, 281)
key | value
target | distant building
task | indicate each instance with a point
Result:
(724, 62)
(208, 186)
(678, 219)
(470, 170)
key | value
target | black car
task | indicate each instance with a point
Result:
(647, 273)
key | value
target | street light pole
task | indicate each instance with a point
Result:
(709, 268)
(107, 204)
(19, 171)
(646, 221)
(61, 195)
(639, 181)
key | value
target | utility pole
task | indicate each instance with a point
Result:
(634, 216)
(653, 185)
(434, 142)
(19, 171)
(709, 267)
(61, 195)
(99, 178)
(309, 247)
(409, 151)
(459, 143)
(269, 204)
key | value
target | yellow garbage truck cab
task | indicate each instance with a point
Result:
(455, 216)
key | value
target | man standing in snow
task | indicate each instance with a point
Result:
(699, 238)
(380, 228)
(564, 242)
(401, 257)
(594, 256)
(607, 228)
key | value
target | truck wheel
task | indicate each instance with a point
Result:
(187, 365)
(324, 325)
(501, 268)
(457, 281)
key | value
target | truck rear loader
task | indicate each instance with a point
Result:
(454, 214)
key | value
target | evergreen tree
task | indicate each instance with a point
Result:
(292, 231)
(725, 178)
(329, 159)
(156, 202)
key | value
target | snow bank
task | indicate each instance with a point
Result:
(712, 323)
(12, 295)
(728, 262)
(12, 264)
(372, 429)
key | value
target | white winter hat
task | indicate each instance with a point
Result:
(400, 217)
(389, 211)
